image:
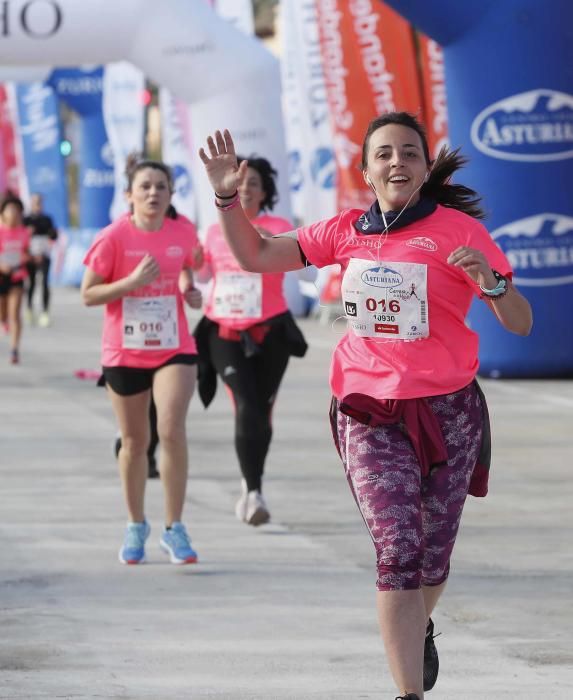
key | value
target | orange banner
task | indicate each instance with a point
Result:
(434, 93)
(369, 64)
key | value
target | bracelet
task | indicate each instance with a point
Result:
(499, 290)
(229, 196)
(229, 205)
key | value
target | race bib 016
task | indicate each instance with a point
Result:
(238, 295)
(150, 323)
(386, 299)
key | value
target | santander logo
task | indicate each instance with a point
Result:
(423, 243)
(531, 126)
(539, 249)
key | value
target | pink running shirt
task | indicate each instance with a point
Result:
(113, 255)
(264, 291)
(444, 361)
(14, 245)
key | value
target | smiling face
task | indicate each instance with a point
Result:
(396, 166)
(150, 194)
(252, 193)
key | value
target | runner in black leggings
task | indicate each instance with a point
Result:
(253, 384)
(246, 337)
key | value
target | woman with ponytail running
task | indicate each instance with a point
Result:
(408, 418)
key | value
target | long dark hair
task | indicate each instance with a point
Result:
(438, 185)
(268, 176)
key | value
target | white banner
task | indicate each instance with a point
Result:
(312, 165)
(176, 150)
(124, 117)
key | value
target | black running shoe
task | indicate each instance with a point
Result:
(431, 661)
(410, 696)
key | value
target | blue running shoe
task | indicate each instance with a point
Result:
(177, 544)
(133, 548)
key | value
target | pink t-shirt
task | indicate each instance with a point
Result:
(240, 299)
(134, 327)
(14, 244)
(442, 356)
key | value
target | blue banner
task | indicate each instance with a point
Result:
(510, 102)
(40, 133)
(82, 91)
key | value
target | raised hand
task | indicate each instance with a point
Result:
(223, 172)
(145, 272)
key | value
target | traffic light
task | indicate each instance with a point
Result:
(65, 147)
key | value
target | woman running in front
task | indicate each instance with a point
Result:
(140, 268)
(408, 418)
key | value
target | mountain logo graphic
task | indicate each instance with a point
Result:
(539, 249)
(531, 126)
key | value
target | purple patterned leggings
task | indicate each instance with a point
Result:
(413, 521)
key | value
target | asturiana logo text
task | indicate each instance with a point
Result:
(539, 249)
(383, 277)
(531, 126)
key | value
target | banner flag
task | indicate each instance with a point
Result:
(39, 130)
(81, 89)
(176, 151)
(434, 93)
(312, 166)
(9, 170)
(124, 119)
(369, 67)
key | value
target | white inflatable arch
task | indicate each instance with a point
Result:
(227, 78)
(180, 44)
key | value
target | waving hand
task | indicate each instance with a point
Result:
(223, 172)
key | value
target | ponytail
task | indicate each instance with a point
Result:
(444, 192)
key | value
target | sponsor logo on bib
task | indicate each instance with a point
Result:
(384, 277)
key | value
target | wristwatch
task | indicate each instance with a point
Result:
(499, 290)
